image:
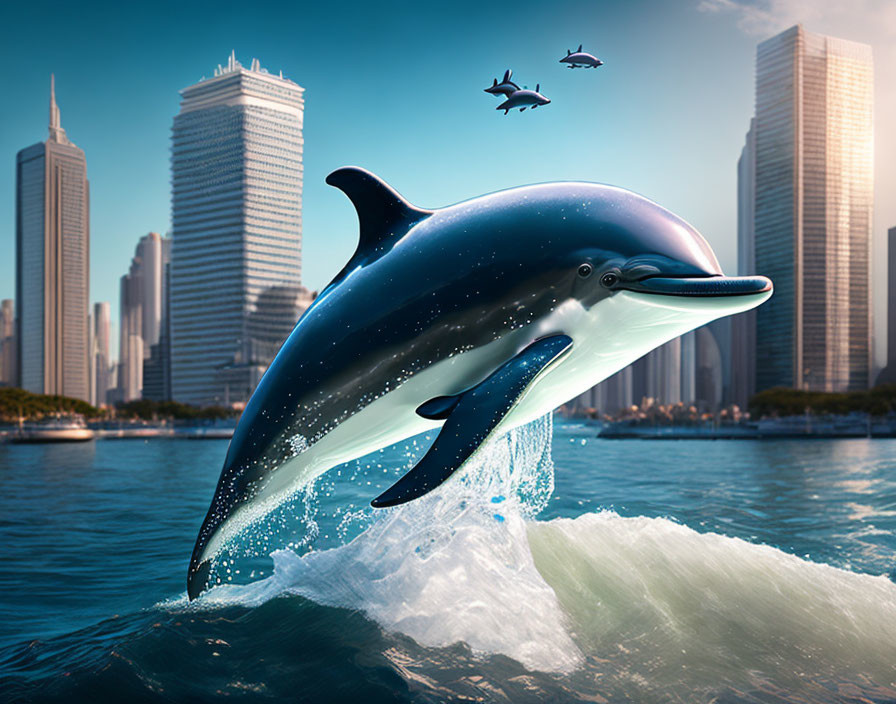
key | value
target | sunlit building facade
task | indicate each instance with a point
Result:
(101, 362)
(141, 308)
(237, 231)
(812, 211)
(53, 265)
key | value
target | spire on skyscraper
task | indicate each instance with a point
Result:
(57, 134)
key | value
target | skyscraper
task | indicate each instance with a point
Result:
(812, 214)
(157, 366)
(101, 363)
(743, 326)
(52, 264)
(140, 311)
(888, 373)
(7, 343)
(237, 228)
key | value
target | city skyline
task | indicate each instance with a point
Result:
(658, 108)
(805, 197)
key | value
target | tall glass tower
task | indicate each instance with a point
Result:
(237, 230)
(53, 264)
(812, 211)
(101, 337)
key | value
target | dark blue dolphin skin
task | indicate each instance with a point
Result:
(524, 98)
(506, 87)
(424, 285)
(581, 59)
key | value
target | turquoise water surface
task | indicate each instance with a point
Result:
(559, 567)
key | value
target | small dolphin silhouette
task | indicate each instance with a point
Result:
(524, 98)
(475, 318)
(581, 59)
(506, 87)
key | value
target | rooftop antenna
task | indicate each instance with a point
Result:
(57, 134)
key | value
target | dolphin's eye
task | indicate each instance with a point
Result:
(585, 270)
(609, 279)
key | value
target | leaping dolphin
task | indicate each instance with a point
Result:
(478, 317)
(506, 87)
(581, 59)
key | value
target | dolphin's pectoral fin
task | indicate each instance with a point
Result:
(439, 408)
(471, 417)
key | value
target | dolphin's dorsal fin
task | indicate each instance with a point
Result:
(579, 50)
(507, 75)
(383, 214)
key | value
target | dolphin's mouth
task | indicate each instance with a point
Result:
(700, 287)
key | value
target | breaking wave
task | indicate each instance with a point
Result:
(466, 594)
(643, 603)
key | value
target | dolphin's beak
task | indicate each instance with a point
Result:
(712, 296)
(701, 287)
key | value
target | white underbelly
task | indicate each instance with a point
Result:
(606, 338)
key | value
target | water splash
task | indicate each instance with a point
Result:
(451, 566)
(637, 605)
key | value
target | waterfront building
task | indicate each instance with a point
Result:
(101, 361)
(52, 265)
(157, 367)
(7, 343)
(812, 211)
(743, 325)
(140, 311)
(236, 289)
(888, 373)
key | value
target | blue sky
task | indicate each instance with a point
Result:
(397, 88)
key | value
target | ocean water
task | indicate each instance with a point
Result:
(558, 567)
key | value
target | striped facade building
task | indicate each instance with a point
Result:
(236, 290)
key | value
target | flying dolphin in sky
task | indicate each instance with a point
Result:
(522, 99)
(506, 87)
(475, 318)
(581, 59)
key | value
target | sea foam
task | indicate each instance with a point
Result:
(653, 600)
